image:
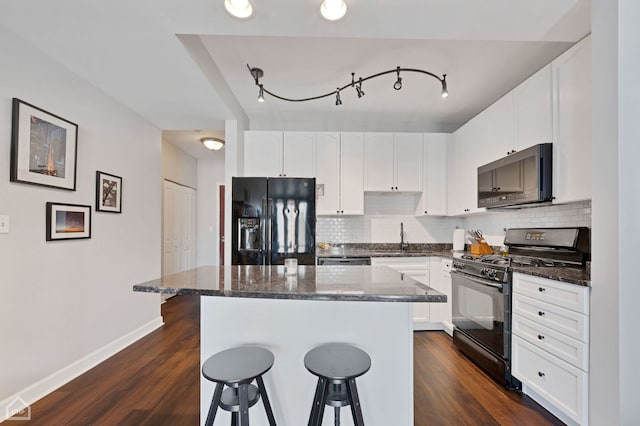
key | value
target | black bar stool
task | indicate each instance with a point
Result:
(337, 365)
(237, 368)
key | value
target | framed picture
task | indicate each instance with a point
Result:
(108, 193)
(68, 221)
(44, 147)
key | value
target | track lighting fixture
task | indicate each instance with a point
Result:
(257, 74)
(239, 8)
(332, 10)
(261, 94)
(445, 92)
(213, 144)
(398, 84)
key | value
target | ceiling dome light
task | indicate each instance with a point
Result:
(332, 10)
(214, 144)
(239, 8)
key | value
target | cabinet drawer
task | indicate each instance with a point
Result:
(571, 323)
(567, 349)
(568, 296)
(560, 383)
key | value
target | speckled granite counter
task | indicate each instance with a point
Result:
(338, 283)
(385, 250)
(578, 276)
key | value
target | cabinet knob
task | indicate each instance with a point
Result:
(540, 373)
(396, 188)
(425, 212)
(341, 211)
(540, 313)
(392, 188)
(542, 289)
(540, 337)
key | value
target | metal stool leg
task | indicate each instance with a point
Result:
(356, 411)
(215, 401)
(336, 415)
(234, 418)
(319, 400)
(243, 399)
(265, 401)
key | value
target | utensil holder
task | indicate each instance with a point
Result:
(481, 248)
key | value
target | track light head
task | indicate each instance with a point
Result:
(359, 88)
(398, 84)
(445, 92)
(338, 101)
(261, 94)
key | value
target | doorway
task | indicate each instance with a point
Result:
(178, 228)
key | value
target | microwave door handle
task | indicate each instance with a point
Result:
(478, 280)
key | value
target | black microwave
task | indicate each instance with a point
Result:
(523, 177)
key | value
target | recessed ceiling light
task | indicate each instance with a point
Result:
(213, 144)
(333, 10)
(239, 8)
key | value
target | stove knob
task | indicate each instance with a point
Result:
(458, 265)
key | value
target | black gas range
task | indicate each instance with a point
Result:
(481, 291)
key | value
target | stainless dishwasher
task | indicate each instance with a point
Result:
(344, 261)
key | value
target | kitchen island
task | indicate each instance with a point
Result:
(289, 315)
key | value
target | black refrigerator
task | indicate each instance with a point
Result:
(273, 219)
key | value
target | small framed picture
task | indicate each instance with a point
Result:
(68, 221)
(43, 147)
(108, 193)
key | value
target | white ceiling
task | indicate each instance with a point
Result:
(141, 53)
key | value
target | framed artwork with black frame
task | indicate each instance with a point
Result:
(44, 147)
(108, 193)
(68, 221)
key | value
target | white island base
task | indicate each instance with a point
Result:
(290, 328)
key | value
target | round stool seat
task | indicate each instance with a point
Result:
(337, 361)
(238, 365)
(230, 400)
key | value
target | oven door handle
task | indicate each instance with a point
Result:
(478, 280)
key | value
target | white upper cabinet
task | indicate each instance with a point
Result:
(298, 152)
(572, 124)
(352, 173)
(272, 154)
(470, 141)
(434, 195)
(340, 170)
(533, 110)
(328, 173)
(262, 153)
(393, 162)
(500, 129)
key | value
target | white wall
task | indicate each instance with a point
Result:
(210, 174)
(178, 166)
(61, 301)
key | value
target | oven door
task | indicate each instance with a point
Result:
(479, 311)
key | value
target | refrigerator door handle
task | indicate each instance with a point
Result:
(267, 205)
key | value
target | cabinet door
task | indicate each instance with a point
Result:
(500, 128)
(533, 110)
(454, 201)
(378, 162)
(298, 154)
(328, 173)
(408, 150)
(470, 141)
(262, 153)
(352, 173)
(572, 129)
(434, 193)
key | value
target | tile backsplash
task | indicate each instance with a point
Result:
(384, 213)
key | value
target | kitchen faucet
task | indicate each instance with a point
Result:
(403, 244)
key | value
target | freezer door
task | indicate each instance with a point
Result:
(248, 213)
(292, 216)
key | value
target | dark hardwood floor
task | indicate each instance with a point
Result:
(156, 382)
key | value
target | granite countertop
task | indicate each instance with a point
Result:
(385, 250)
(566, 274)
(571, 275)
(337, 283)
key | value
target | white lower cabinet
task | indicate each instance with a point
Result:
(426, 270)
(550, 345)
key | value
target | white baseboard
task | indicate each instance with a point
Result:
(38, 390)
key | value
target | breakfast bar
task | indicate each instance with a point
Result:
(365, 306)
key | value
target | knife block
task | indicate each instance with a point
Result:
(481, 248)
